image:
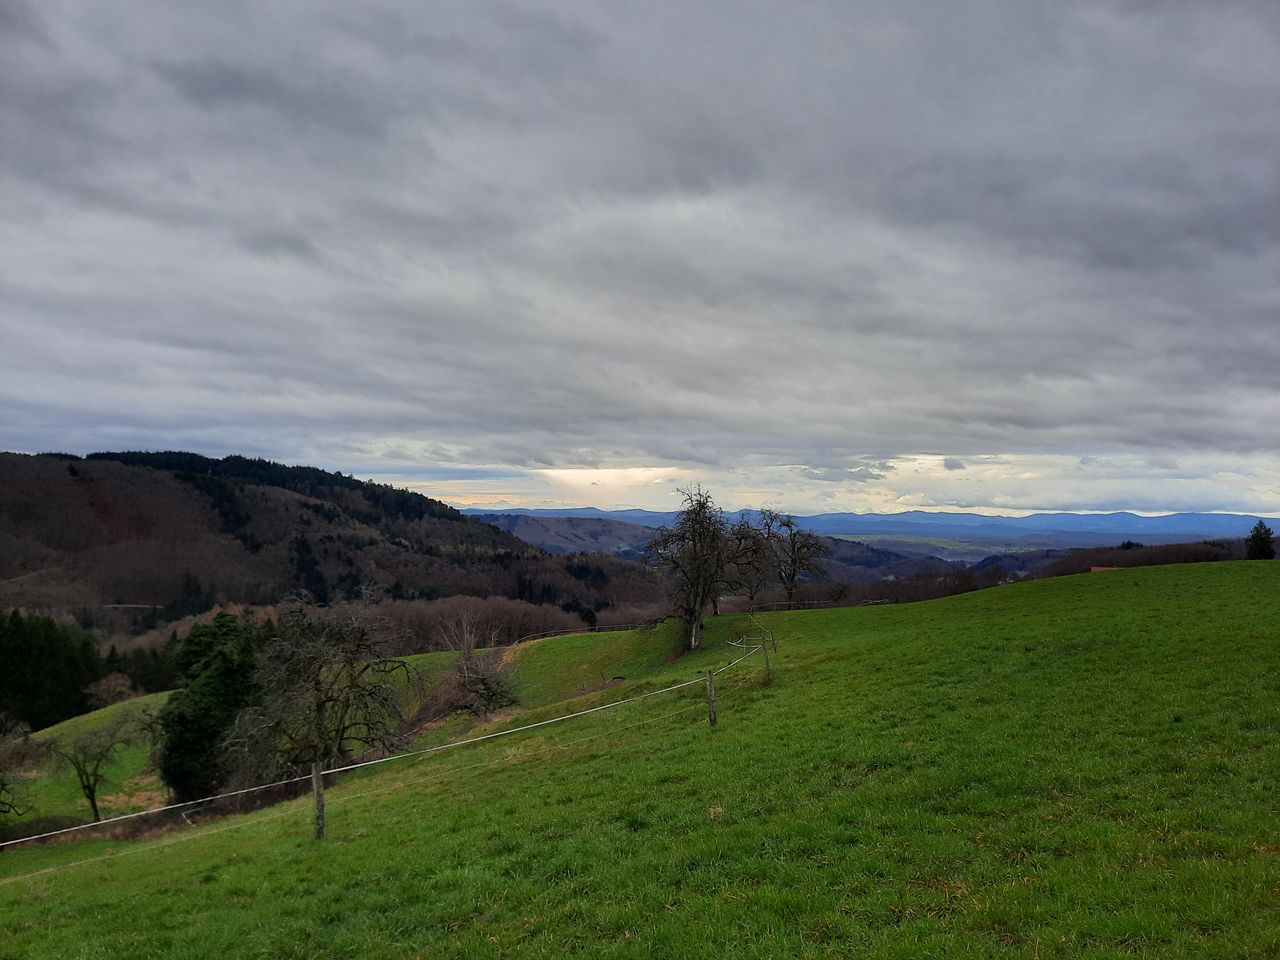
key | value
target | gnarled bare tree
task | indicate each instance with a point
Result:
(91, 755)
(796, 552)
(750, 569)
(328, 691)
(480, 679)
(17, 753)
(694, 554)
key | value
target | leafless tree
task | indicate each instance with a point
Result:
(91, 755)
(17, 752)
(328, 690)
(796, 552)
(480, 679)
(750, 569)
(113, 688)
(694, 554)
(150, 725)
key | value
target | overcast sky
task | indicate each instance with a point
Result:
(847, 256)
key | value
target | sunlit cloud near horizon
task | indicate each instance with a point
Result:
(823, 257)
(992, 485)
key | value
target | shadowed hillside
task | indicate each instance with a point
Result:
(131, 539)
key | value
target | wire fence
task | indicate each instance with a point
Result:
(575, 631)
(254, 797)
(780, 605)
(199, 832)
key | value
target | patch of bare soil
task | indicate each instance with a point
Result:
(145, 792)
(510, 653)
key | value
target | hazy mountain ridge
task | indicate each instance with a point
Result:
(850, 561)
(1038, 531)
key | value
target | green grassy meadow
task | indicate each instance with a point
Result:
(130, 786)
(1080, 767)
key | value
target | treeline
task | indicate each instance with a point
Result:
(48, 671)
(383, 500)
(1132, 554)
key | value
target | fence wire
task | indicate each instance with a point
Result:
(211, 803)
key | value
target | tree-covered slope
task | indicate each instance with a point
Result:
(135, 538)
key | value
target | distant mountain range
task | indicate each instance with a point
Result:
(850, 562)
(964, 536)
(1210, 525)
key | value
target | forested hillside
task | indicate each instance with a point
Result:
(129, 540)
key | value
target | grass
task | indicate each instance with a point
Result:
(130, 785)
(1080, 767)
(562, 668)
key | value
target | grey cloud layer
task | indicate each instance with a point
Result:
(558, 234)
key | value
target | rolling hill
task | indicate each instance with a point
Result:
(1079, 767)
(573, 534)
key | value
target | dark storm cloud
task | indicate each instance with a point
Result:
(214, 85)
(21, 24)
(817, 238)
(278, 242)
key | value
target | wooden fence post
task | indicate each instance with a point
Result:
(317, 788)
(768, 670)
(711, 699)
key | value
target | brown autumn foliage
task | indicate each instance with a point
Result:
(425, 625)
(113, 688)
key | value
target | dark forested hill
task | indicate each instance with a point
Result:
(855, 562)
(153, 536)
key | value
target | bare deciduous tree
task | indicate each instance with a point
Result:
(113, 688)
(796, 552)
(150, 724)
(694, 555)
(479, 680)
(328, 691)
(751, 568)
(17, 752)
(91, 755)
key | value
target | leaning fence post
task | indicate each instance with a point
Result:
(768, 670)
(317, 788)
(711, 699)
